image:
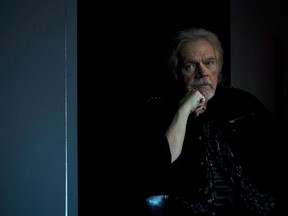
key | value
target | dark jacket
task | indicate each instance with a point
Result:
(235, 123)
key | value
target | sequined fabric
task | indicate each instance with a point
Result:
(218, 151)
(217, 158)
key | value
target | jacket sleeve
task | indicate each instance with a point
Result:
(153, 153)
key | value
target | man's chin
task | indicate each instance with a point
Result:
(207, 93)
(209, 96)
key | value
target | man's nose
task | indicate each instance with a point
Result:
(201, 71)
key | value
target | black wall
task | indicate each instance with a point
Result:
(122, 53)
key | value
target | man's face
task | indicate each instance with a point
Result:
(199, 68)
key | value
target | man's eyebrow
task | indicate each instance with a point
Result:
(193, 61)
(210, 58)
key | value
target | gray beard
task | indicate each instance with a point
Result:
(209, 95)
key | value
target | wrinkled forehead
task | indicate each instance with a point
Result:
(196, 50)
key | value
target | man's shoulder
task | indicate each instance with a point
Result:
(236, 101)
(233, 92)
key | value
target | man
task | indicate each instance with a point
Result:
(204, 151)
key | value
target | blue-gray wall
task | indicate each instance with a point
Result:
(38, 108)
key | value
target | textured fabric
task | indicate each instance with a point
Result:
(224, 167)
(259, 202)
(223, 193)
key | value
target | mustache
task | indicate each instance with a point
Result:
(202, 82)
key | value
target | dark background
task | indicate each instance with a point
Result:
(126, 46)
(129, 42)
(123, 49)
(122, 53)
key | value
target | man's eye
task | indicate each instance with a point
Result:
(209, 63)
(190, 66)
